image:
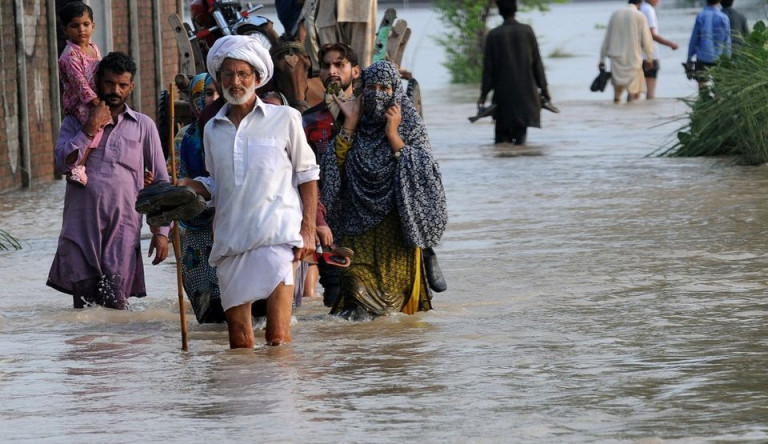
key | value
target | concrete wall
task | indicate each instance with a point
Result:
(29, 113)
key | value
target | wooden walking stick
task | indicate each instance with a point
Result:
(175, 230)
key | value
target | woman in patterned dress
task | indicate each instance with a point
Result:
(385, 199)
(199, 277)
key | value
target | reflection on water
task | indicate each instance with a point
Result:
(595, 295)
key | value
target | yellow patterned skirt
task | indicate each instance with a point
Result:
(385, 276)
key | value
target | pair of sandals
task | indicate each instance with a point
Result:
(163, 203)
(338, 257)
(342, 257)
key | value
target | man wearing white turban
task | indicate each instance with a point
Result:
(245, 48)
(263, 183)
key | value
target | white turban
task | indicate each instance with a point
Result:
(240, 47)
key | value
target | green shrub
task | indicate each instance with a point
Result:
(730, 116)
(464, 39)
(7, 241)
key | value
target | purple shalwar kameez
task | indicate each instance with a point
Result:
(98, 259)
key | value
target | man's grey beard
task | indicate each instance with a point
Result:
(250, 92)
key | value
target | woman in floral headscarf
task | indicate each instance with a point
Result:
(200, 282)
(190, 160)
(385, 199)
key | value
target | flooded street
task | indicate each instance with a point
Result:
(596, 294)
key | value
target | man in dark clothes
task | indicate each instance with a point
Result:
(739, 27)
(339, 69)
(512, 68)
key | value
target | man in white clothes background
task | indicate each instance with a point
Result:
(648, 8)
(626, 40)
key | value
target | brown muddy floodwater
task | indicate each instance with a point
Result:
(595, 295)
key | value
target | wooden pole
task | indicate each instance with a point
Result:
(175, 230)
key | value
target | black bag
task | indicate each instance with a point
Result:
(600, 81)
(434, 273)
(690, 70)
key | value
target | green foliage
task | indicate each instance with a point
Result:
(730, 117)
(7, 242)
(464, 39)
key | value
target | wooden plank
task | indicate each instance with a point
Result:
(186, 53)
(398, 57)
(395, 38)
(382, 35)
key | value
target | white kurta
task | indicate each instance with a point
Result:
(255, 170)
(626, 39)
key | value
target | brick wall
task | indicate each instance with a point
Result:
(9, 137)
(147, 60)
(170, 50)
(41, 126)
(39, 98)
(121, 26)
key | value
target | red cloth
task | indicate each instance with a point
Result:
(320, 218)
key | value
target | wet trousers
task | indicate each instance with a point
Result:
(515, 134)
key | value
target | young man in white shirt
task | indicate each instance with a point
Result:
(648, 8)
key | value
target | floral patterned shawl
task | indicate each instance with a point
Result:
(192, 144)
(373, 183)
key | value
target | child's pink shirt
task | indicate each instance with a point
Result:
(77, 71)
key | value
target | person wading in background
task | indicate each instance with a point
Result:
(628, 37)
(648, 8)
(513, 70)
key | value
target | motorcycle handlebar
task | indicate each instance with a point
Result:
(221, 23)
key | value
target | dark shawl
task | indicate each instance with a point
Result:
(289, 14)
(739, 27)
(512, 68)
(374, 183)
